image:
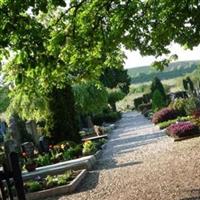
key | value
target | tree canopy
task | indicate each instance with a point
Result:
(116, 77)
(90, 98)
(52, 43)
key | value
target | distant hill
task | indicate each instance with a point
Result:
(176, 69)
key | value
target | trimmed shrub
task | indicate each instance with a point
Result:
(138, 101)
(109, 117)
(182, 129)
(179, 106)
(144, 107)
(157, 85)
(158, 100)
(164, 115)
(165, 124)
(192, 104)
(146, 98)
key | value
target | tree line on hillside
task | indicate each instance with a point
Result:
(164, 75)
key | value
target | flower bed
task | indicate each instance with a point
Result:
(166, 124)
(164, 115)
(62, 152)
(182, 129)
(43, 187)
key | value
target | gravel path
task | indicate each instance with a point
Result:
(142, 163)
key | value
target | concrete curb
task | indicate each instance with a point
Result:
(58, 190)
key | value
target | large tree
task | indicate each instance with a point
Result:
(51, 44)
(44, 56)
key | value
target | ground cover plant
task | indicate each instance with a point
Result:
(61, 152)
(164, 115)
(182, 129)
(167, 123)
(50, 181)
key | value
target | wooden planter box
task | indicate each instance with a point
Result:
(60, 190)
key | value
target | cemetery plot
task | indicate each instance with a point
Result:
(51, 185)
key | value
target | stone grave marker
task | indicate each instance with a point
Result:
(31, 128)
(28, 148)
(44, 142)
(10, 146)
(14, 130)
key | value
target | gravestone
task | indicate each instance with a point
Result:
(31, 128)
(44, 144)
(12, 169)
(28, 148)
(10, 146)
(14, 129)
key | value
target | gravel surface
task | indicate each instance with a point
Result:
(141, 163)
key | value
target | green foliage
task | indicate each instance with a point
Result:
(43, 160)
(144, 107)
(192, 104)
(179, 105)
(63, 123)
(137, 102)
(188, 84)
(29, 106)
(143, 88)
(75, 151)
(4, 99)
(108, 117)
(90, 98)
(114, 95)
(49, 46)
(157, 85)
(57, 180)
(33, 186)
(89, 148)
(158, 100)
(64, 178)
(116, 77)
(165, 124)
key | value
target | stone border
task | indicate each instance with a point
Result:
(177, 139)
(56, 191)
(95, 138)
(86, 162)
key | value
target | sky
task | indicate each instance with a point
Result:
(134, 59)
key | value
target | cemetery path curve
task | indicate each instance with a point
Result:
(141, 163)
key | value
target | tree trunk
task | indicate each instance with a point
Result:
(64, 124)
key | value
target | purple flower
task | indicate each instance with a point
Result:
(182, 129)
(164, 115)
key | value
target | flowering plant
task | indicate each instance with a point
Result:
(29, 162)
(182, 129)
(89, 148)
(164, 115)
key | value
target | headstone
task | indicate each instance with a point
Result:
(28, 148)
(10, 146)
(31, 128)
(44, 144)
(14, 130)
